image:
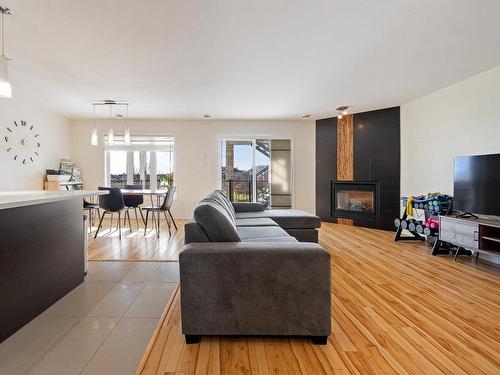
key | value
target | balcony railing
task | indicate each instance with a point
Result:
(238, 190)
(241, 191)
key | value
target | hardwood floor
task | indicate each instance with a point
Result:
(395, 309)
(135, 246)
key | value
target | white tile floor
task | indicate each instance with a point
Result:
(102, 327)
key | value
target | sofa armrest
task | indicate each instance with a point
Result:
(255, 289)
(248, 206)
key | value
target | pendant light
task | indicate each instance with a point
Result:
(5, 86)
(111, 136)
(94, 140)
(126, 138)
(111, 133)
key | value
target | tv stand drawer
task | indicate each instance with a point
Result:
(459, 232)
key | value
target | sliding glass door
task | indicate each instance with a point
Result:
(281, 173)
(257, 170)
(237, 169)
(262, 167)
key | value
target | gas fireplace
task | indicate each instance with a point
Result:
(355, 200)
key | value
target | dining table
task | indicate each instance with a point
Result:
(152, 193)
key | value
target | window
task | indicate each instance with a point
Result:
(148, 161)
(257, 170)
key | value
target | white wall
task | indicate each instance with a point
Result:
(197, 149)
(55, 140)
(462, 119)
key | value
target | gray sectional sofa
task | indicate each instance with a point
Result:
(243, 272)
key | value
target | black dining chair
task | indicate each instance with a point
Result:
(165, 208)
(87, 206)
(91, 207)
(112, 203)
(134, 202)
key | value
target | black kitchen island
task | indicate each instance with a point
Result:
(41, 252)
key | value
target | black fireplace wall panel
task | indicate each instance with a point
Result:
(326, 165)
(376, 155)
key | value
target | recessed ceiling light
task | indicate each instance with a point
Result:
(207, 117)
(306, 116)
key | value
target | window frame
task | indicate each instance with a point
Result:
(140, 147)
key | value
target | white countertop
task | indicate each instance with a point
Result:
(12, 199)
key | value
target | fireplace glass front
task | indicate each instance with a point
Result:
(354, 200)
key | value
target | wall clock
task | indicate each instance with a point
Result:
(22, 142)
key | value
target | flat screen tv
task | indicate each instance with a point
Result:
(477, 184)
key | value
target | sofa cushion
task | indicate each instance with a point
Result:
(285, 218)
(271, 239)
(215, 222)
(248, 206)
(194, 233)
(257, 222)
(261, 232)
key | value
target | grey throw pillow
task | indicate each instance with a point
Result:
(215, 222)
(215, 199)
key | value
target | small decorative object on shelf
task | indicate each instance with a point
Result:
(66, 178)
(421, 218)
(68, 166)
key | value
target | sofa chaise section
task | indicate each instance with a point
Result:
(299, 224)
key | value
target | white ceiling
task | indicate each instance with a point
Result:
(245, 59)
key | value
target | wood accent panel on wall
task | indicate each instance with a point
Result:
(345, 157)
(345, 153)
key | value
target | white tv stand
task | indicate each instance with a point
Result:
(477, 235)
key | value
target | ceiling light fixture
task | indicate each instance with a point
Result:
(306, 116)
(126, 138)
(5, 86)
(94, 140)
(342, 110)
(207, 117)
(111, 135)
